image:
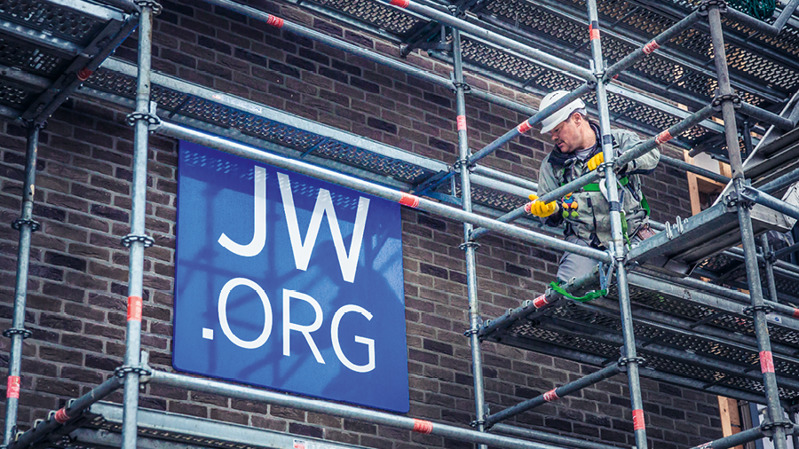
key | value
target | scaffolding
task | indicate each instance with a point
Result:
(690, 333)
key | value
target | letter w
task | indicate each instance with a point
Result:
(324, 205)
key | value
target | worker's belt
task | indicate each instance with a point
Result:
(594, 187)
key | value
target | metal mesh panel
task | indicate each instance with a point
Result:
(529, 333)
(487, 197)
(15, 53)
(374, 13)
(13, 97)
(492, 58)
(52, 19)
(534, 333)
(269, 130)
(99, 422)
(372, 162)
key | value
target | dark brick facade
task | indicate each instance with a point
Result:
(77, 287)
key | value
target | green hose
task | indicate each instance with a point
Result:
(760, 9)
(587, 297)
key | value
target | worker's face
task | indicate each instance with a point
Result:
(566, 135)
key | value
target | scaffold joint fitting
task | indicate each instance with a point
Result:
(462, 163)
(123, 371)
(705, 5)
(462, 85)
(477, 422)
(151, 119)
(771, 257)
(718, 100)
(20, 222)
(469, 244)
(768, 427)
(17, 331)
(157, 8)
(130, 238)
(624, 361)
(749, 311)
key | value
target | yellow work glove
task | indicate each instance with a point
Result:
(540, 208)
(595, 161)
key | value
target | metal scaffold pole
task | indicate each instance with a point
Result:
(17, 333)
(629, 357)
(137, 240)
(758, 309)
(469, 246)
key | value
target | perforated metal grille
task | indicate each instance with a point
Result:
(732, 269)
(16, 54)
(52, 19)
(98, 422)
(498, 60)
(374, 13)
(13, 97)
(588, 324)
(488, 197)
(531, 334)
(254, 125)
(375, 163)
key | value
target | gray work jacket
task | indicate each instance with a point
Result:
(592, 220)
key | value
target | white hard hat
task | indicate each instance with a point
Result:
(561, 114)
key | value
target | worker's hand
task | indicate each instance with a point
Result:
(540, 208)
(595, 161)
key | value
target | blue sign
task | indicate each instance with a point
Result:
(287, 282)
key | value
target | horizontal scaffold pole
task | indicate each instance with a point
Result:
(72, 410)
(634, 152)
(479, 31)
(555, 394)
(342, 410)
(549, 437)
(769, 201)
(245, 151)
(766, 116)
(761, 26)
(650, 47)
(517, 131)
(733, 440)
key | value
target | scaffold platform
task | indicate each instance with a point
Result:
(101, 427)
(48, 48)
(687, 337)
(687, 243)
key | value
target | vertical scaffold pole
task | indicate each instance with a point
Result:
(137, 241)
(17, 333)
(630, 358)
(758, 309)
(469, 246)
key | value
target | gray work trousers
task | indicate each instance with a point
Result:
(576, 266)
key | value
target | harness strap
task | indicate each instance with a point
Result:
(590, 296)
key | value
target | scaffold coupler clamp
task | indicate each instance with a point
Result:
(625, 361)
(750, 310)
(740, 199)
(153, 122)
(462, 163)
(20, 222)
(130, 238)
(718, 100)
(10, 332)
(156, 7)
(705, 5)
(769, 426)
(461, 85)
(469, 244)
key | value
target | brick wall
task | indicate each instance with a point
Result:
(78, 280)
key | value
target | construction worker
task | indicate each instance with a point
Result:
(586, 212)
